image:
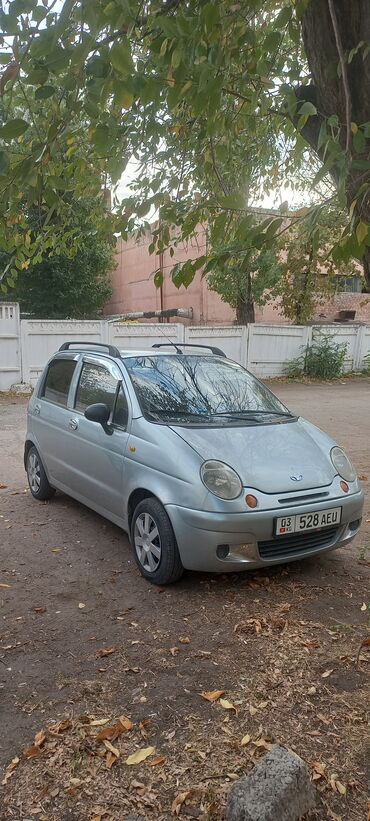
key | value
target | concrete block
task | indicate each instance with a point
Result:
(277, 789)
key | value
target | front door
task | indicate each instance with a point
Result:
(96, 459)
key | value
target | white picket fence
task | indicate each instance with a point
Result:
(26, 345)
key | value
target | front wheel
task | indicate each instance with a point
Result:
(39, 484)
(154, 544)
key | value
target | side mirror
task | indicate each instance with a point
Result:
(99, 412)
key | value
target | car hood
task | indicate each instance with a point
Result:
(267, 456)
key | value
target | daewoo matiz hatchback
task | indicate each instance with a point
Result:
(190, 454)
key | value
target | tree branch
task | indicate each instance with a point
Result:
(342, 60)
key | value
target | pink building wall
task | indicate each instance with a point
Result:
(134, 289)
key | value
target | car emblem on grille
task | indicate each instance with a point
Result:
(297, 478)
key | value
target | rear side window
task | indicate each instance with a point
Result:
(58, 380)
(98, 385)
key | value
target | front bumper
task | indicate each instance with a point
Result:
(229, 542)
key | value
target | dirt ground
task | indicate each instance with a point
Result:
(84, 640)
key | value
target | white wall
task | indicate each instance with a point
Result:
(26, 345)
(10, 347)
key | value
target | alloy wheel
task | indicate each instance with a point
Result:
(147, 542)
(34, 472)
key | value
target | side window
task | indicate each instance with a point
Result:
(98, 385)
(58, 380)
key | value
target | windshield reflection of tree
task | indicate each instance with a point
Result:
(196, 386)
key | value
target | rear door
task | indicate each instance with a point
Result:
(96, 459)
(49, 415)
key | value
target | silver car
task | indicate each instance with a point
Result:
(190, 454)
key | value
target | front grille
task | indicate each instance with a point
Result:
(298, 543)
(304, 497)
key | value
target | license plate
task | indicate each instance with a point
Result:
(307, 521)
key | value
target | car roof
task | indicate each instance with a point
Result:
(113, 353)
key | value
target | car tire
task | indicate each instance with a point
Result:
(39, 484)
(154, 543)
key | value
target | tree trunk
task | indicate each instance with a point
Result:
(244, 304)
(328, 89)
(244, 312)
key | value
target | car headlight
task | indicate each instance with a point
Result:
(221, 479)
(342, 464)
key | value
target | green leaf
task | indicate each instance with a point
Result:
(361, 232)
(100, 138)
(13, 128)
(39, 14)
(120, 57)
(44, 92)
(158, 279)
(4, 162)
(272, 41)
(5, 57)
(37, 76)
(235, 201)
(176, 58)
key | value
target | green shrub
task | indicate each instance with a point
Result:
(366, 364)
(322, 359)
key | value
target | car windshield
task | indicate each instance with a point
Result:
(201, 389)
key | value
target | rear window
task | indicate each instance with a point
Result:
(58, 380)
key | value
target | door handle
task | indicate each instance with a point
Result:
(36, 410)
(73, 424)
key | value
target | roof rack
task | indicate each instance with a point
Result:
(112, 350)
(179, 345)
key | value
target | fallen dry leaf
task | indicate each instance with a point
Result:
(184, 640)
(252, 710)
(363, 478)
(40, 609)
(245, 740)
(363, 607)
(327, 673)
(81, 605)
(179, 801)
(126, 723)
(364, 643)
(6, 586)
(40, 795)
(264, 743)
(2, 487)
(110, 747)
(213, 695)
(110, 759)
(311, 644)
(227, 705)
(318, 770)
(142, 727)
(99, 722)
(106, 651)
(140, 755)
(32, 752)
(123, 725)
(40, 738)
(174, 651)
(61, 727)
(156, 762)
(10, 770)
(340, 788)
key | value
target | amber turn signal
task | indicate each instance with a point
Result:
(344, 486)
(251, 500)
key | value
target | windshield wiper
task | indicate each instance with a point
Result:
(249, 413)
